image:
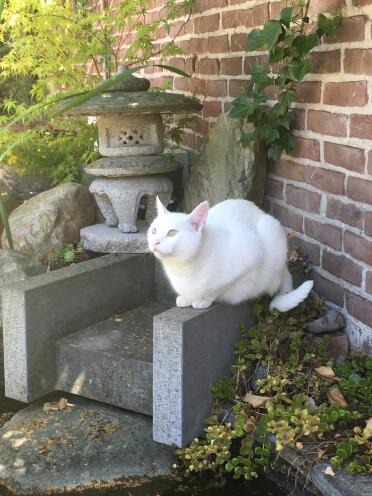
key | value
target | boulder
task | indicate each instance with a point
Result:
(51, 219)
(43, 451)
(331, 321)
(226, 169)
(16, 188)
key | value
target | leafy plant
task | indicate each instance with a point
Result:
(288, 42)
(296, 408)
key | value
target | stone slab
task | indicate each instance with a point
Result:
(39, 311)
(87, 445)
(192, 349)
(132, 165)
(112, 361)
(101, 238)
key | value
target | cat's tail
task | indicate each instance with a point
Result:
(287, 301)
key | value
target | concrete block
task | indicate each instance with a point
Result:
(112, 361)
(192, 349)
(39, 311)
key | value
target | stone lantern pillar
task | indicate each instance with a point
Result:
(133, 163)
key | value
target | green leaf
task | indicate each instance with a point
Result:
(328, 25)
(304, 43)
(301, 67)
(274, 152)
(259, 76)
(2, 5)
(271, 32)
(173, 69)
(276, 54)
(286, 16)
(229, 467)
(255, 40)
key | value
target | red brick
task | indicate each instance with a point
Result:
(239, 42)
(276, 8)
(232, 66)
(236, 86)
(368, 224)
(207, 23)
(198, 86)
(208, 66)
(361, 126)
(346, 94)
(245, 17)
(310, 249)
(212, 109)
(359, 307)
(302, 198)
(350, 29)
(369, 163)
(321, 6)
(299, 121)
(348, 157)
(325, 233)
(328, 289)
(288, 169)
(251, 61)
(274, 188)
(218, 44)
(288, 218)
(197, 46)
(327, 123)
(342, 267)
(213, 4)
(217, 88)
(358, 61)
(359, 190)
(347, 213)
(358, 247)
(182, 84)
(326, 62)
(369, 282)
(199, 6)
(308, 92)
(325, 179)
(307, 148)
(200, 126)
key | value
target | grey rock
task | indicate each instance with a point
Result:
(87, 442)
(21, 187)
(52, 218)
(337, 348)
(104, 239)
(132, 165)
(225, 169)
(330, 322)
(130, 83)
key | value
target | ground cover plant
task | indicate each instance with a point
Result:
(288, 42)
(285, 392)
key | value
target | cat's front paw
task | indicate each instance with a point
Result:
(183, 302)
(200, 304)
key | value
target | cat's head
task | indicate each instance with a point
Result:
(175, 234)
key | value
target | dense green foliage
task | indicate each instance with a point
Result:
(69, 46)
(323, 412)
(288, 42)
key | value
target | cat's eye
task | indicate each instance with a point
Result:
(172, 232)
(153, 230)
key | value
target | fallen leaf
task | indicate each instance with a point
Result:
(325, 372)
(329, 471)
(368, 429)
(335, 397)
(255, 400)
(320, 453)
(62, 404)
(294, 255)
(299, 445)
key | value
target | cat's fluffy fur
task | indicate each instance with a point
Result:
(231, 253)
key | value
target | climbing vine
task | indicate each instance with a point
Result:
(288, 42)
(286, 392)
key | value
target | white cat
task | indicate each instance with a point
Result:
(231, 253)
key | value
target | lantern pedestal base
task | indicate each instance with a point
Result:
(101, 238)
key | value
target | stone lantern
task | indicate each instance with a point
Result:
(133, 163)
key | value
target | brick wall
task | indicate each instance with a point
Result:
(322, 192)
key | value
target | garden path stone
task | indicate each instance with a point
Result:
(225, 169)
(42, 452)
(332, 321)
(51, 219)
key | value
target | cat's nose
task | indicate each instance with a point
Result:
(155, 244)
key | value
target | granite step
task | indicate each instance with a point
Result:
(112, 361)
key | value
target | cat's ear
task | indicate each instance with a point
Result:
(160, 207)
(198, 216)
